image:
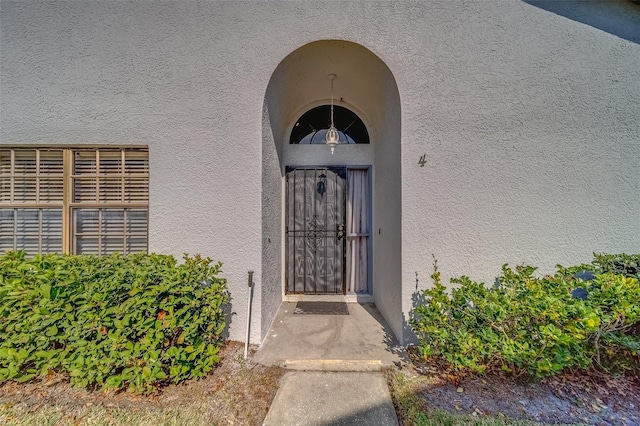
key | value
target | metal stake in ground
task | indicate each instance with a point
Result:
(246, 340)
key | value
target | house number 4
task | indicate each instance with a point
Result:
(423, 160)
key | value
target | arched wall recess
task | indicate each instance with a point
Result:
(365, 85)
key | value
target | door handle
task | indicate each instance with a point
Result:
(340, 232)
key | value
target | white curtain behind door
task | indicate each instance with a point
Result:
(357, 230)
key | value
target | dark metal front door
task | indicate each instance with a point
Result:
(315, 230)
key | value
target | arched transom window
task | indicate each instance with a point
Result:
(312, 126)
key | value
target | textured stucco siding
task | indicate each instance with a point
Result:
(527, 115)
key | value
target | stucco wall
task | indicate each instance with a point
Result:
(271, 285)
(387, 224)
(527, 116)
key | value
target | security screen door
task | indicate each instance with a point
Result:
(315, 230)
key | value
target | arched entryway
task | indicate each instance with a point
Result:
(298, 94)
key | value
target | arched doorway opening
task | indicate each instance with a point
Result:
(295, 114)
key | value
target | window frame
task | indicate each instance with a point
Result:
(70, 204)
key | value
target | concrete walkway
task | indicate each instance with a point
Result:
(334, 363)
(308, 398)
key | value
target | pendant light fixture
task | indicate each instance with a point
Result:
(332, 137)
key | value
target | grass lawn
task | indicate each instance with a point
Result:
(47, 415)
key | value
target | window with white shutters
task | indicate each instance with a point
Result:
(74, 200)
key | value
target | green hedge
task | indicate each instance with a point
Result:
(625, 264)
(112, 322)
(531, 325)
(622, 264)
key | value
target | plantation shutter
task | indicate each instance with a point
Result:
(113, 184)
(31, 199)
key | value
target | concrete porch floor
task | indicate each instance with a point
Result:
(360, 341)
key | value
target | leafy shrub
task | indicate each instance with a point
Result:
(625, 264)
(113, 322)
(527, 324)
(620, 264)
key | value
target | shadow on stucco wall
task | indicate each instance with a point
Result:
(618, 17)
(228, 317)
(417, 299)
